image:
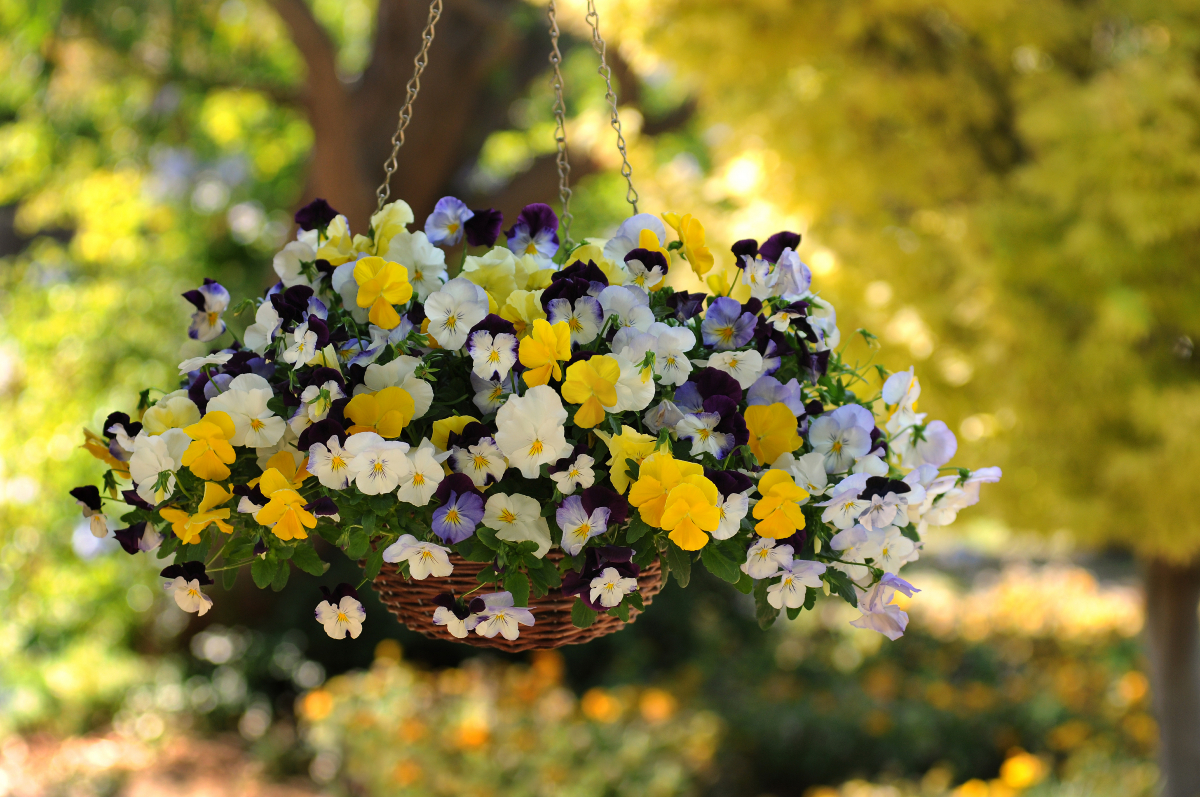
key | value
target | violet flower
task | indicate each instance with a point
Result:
(445, 225)
(456, 520)
(725, 326)
(316, 215)
(483, 227)
(535, 232)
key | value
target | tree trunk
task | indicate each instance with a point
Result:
(1173, 642)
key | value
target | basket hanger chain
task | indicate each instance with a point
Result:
(593, 19)
(560, 128)
(414, 86)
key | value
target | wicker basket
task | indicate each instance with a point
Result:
(412, 603)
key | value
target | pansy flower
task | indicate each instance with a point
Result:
(210, 300)
(490, 394)
(691, 234)
(686, 306)
(386, 412)
(725, 326)
(453, 310)
(579, 526)
(424, 558)
(799, 575)
(245, 402)
(842, 436)
(499, 616)
(285, 512)
(543, 350)
(583, 318)
(531, 431)
(778, 511)
(457, 616)
(578, 473)
(772, 429)
(701, 430)
(330, 463)
(535, 232)
(267, 322)
(419, 484)
(483, 227)
(138, 537)
(376, 464)
(458, 517)
(744, 366)
(643, 230)
(316, 215)
(690, 511)
(879, 611)
(483, 461)
(209, 455)
(517, 518)
(610, 587)
(426, 263)
(765, 558)
(341, 612)
(493, 356)
(647, 268)
(444, 226)
(155, 460)
(88, 498)
(670, 354)
(184, 582)
(382, 284)
(769, 390)
(591, 384)
(187, 527)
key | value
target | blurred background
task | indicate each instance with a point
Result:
(1007, 193)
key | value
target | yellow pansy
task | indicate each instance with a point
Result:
(210, 453)
(690, 512)
(691, 233)
(381, 284)
(188, 527)
(778, 511)
(659, 474)
(386, 412)
(542, 351)
(284, 513)
(629, 444)
(593, 385)
(523, 308)
(337, 246)
(393, 220)
(727, 282)
(170, 412)
(285, 463)
(772, 431)
(440, 436)
(497, 272)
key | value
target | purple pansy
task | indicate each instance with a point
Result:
(686, 305)
(728, 482)
(535, 233)
(138, 538)
(210, 301)
(745, 248)
(483, 228)
(596, 497)
(725, 326)
(456, 520)
(316, 215)
(773, 247)
(445, 225)
(188, 571)
(573, 282)
(769, 390)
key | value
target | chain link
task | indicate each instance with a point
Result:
(414, 86)
(560, 129)
(593, 18)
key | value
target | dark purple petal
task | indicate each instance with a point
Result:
(747, 247)
(712, 382)
(335, 595)
(814, 408)
(321, 328)
(131, 537)
(190, 571)
(686, 305)
(597, 496)
(322, 506)
(649, 258)
(881, 486)
(455, 484)
(494, 325)
(253, 493)
(752, 306)
(721, 405)
(587, 271)
(483, 228)
(316, 215)
(196, 298)
(470, 435)
(535, 218)
(879, 440)
(734, 425)
(445, 600)
(320, 432)
(115, 418)
(88, 495)
(728, 482)
(773, 247)
(133, 499)
(319, 376)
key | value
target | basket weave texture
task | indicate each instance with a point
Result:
(412, 603)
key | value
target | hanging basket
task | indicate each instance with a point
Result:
(412, 603)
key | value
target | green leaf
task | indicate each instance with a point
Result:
(516, 583)
(308, 560)
(382, 504)
(360, 543)
(680, 562)
(581, 615)
(635, 600)
(719, 565)
(472, 552)
(488, 537)
(262, 570)
(621, 611)
(910, 531)
(794, 613)
(840, 583)
(488, 576)
(229, 577)
(281, 576)
(374, 565)
(285, 551)
(745, 584)
(763, 611)
(637, 528)
(810, 599)
(368, 524)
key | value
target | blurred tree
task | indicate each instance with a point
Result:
(1019, 184)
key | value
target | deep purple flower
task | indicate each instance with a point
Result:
(747, 247)
(728, 482)
(189, 571)
(814, 408)
(292, 304)
(725, 326)
(881, 486)
(686, 305)
(335, 595)
(769, 390)
(535, 233)
(444, 226)
(247, 361)
(133, 499)
(773, 247)
(734, 425)
(322, 329)
(483, 228)
(88, 497)
(879, 440)
(120, 419)
(253, 494)
(316, 215)
(323, 506)
(574, 282)
(459, 483)
(597, 496)
(319, 376)
(493, 325)
(752, 306)
(131, 538)
(712, 382)
(456, 520)
(470, 435)
(320, 432)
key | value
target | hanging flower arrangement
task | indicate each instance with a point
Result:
(518, 450)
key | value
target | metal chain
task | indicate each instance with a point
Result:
(593, 18)
(414, 86)
(560, 129)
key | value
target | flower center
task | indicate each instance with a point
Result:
(212, 319)
(418, 479)
(342, 618)
(256, 424)
(493, 356)
(480, 462)
(536, 448)
(531, 248)
(452, 516)
(574, 324)
(452, 227)
(377, 467)
(836, 447)
(337, 463)
(507, 516)
(451, 322)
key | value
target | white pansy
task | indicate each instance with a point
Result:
(583, 318)
(245, 402)
(424, 558)
(343, 282)
(843, 509)
(530, 430)
(481, 461)
(196, 363)
(799, 575)
(453, 310)
(629, 304)
(402, 373)
(760, 276)
(301, 345)
(744, 366)
(628, 235)
(490, 394)
(635, 386)
(330, 463)
(854, 545)
(808, 471)
(259, 335)
(344, 618)
(733, 508)
(517, 518)
(578, 474)
(376, 465)
(842, 436)
(492, 357)
(153, 456)
(890, 549)
(670, 353)
(578, 526)
(188, 596)
(765, 558)
(419, 484)
(879, 612)
(610, 587)
(501, 617)
(288, 263)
